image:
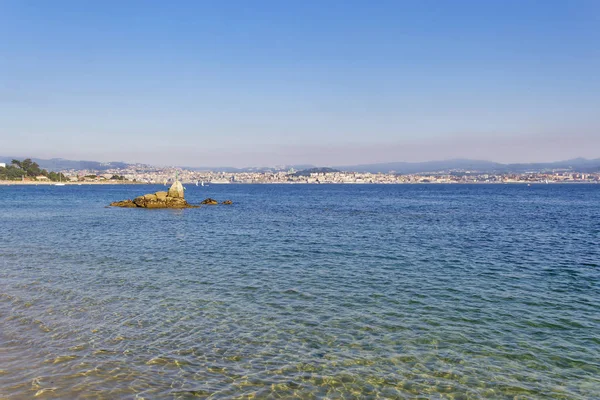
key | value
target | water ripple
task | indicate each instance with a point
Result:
(302, 292)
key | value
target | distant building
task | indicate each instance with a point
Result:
(2, 165)
(42, 178)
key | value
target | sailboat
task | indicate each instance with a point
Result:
(59, 180)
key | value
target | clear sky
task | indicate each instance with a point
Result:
(258, 83)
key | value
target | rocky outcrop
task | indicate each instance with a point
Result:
(154, 201)
(174, 198)
(176, 190)
(161, 196)
(210, 202)
(124, 203)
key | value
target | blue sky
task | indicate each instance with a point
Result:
(276, 82)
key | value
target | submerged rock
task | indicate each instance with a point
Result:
(210, 202)
(227, 202)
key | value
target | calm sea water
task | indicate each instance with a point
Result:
(412, 291)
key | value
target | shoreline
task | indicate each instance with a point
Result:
(32, 183)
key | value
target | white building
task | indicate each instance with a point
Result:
(2, 165)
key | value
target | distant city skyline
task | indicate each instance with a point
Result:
(271, 83)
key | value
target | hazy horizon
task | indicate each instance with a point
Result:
(161, 164)
(272, 83)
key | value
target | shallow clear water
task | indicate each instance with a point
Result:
(308, 291)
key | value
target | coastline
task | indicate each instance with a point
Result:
(33, 183)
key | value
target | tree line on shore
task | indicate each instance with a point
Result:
(18, 170)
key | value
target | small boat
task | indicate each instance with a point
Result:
(59, 181)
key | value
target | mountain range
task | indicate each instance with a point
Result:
(456, 165)
(576, 165)
(60, 164)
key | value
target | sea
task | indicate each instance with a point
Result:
(302, 291)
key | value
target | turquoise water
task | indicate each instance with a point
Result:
(307, 291)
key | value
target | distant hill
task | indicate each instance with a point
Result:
(429, 166)
(576, 165)
(307, 172)
(253, 169)
(456, 165)
(60, 164)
